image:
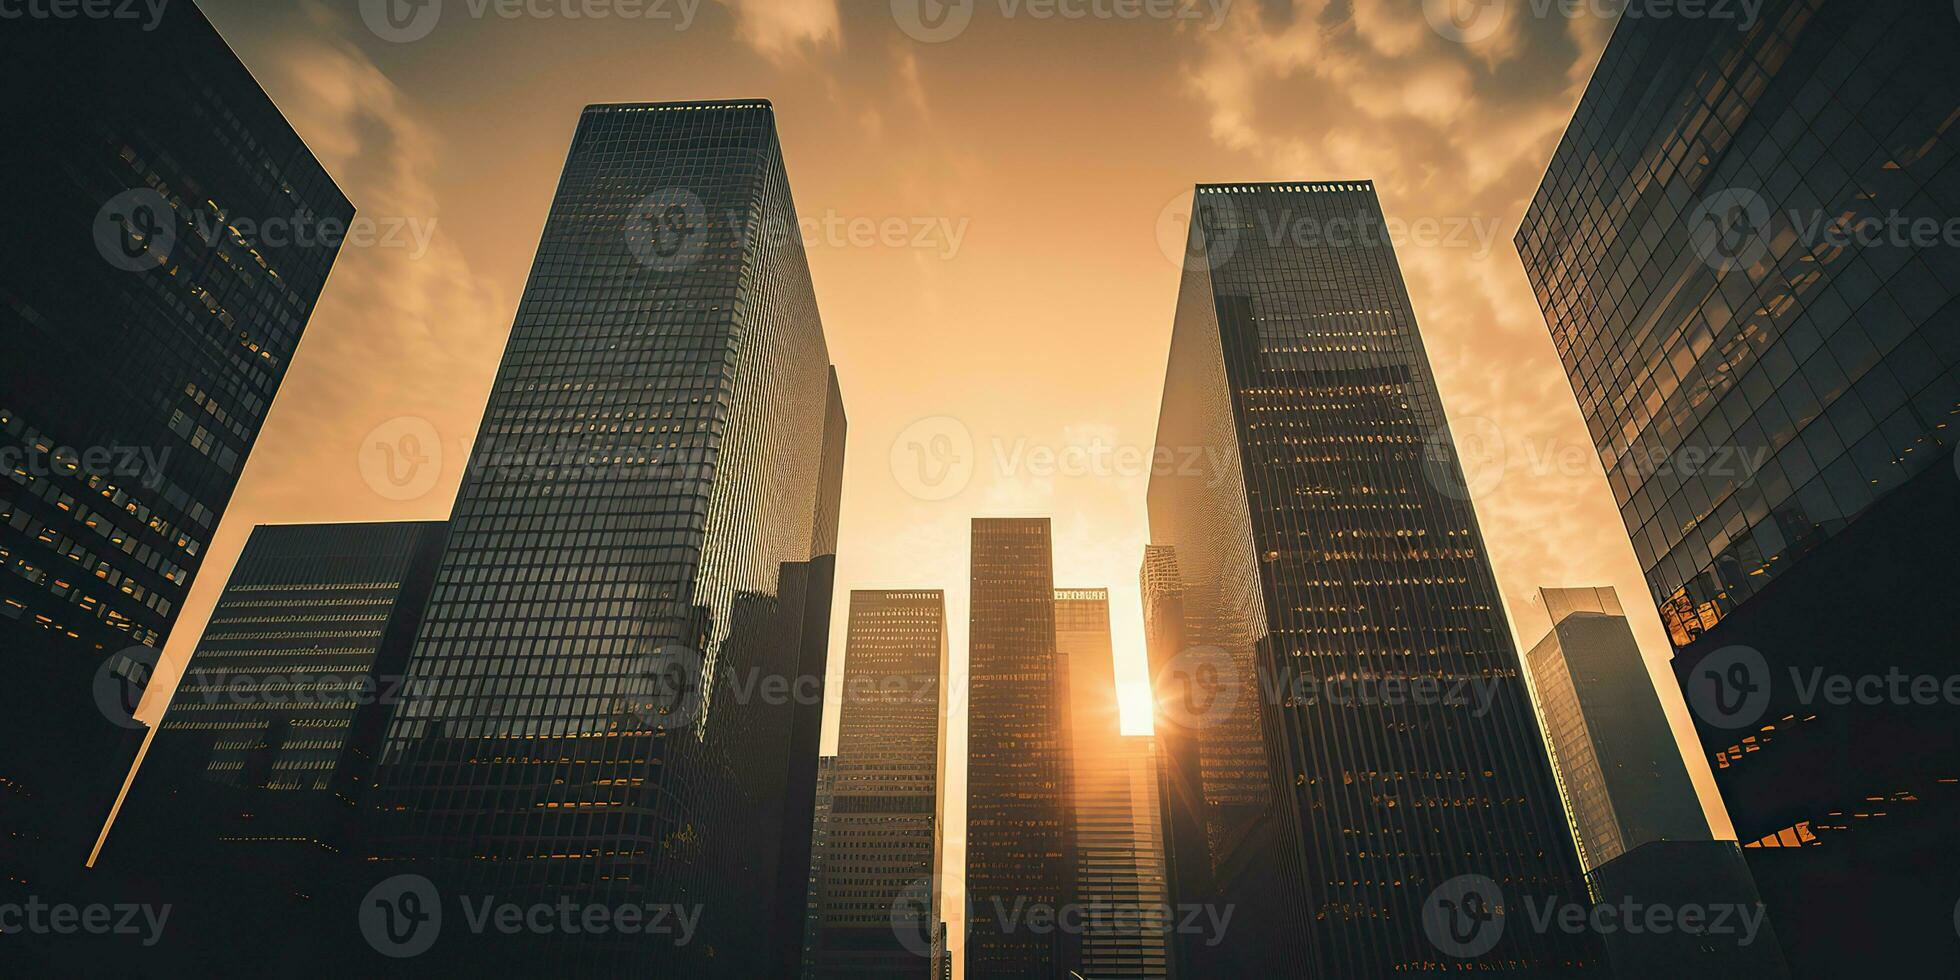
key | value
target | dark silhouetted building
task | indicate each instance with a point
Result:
(1717, 925)
(246, 813)
(641, 554)
(1119, 898)
(151, 303)
(1019, 847)
(819, 838)
(1615, 757)
(1333, 554)
(1743, 251)
(881, 888)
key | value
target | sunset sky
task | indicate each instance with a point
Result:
(1037, 169)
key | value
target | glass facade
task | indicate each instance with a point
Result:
(145, 338)
(1752, 378)
(647, 531)
(246, 809)
(1744, 251)
(1337, 553)
(1615, 757)
(880, 902)
(1119, 842)
(1018, 829)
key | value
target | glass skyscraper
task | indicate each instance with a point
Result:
(146, 335)
(1336, 553)
(645, 540)
(1743, 249)
(1119, 888)
(1019, 841)
(881, 887)
(245, 814)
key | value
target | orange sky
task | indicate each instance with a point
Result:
(1037, 165)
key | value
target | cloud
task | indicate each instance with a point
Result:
(781, 29)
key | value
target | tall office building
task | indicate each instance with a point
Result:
(1119, 896)
(1019, 847)
(646, 543)
(1177, 725)
(150, 313)
(1616, 760)
(819, 840)
(1732, 253)
(880, 905)
(1337, 552)
(246, 811)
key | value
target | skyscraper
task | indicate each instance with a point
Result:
(1616, 759)
(644, 543)
(246, 810)
(1336, 552)
(1731, 250)
(1119, 894)
(150, 307)
(1177, 725)
(881, 891)
(1019, 848)
(819, 839)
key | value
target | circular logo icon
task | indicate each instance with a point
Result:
(1198, 688)
(136, 230)
(668, 229)
(1730, 687)
(401, 459)
(671, 676)
(120, 680)
(933, 458)
(1465, 21)
(1729, 229)
(912, 912)
(1470, 463)
(932, 21)
(401, 21)
(1464, 916)
(402, 916)
(1179, 232)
